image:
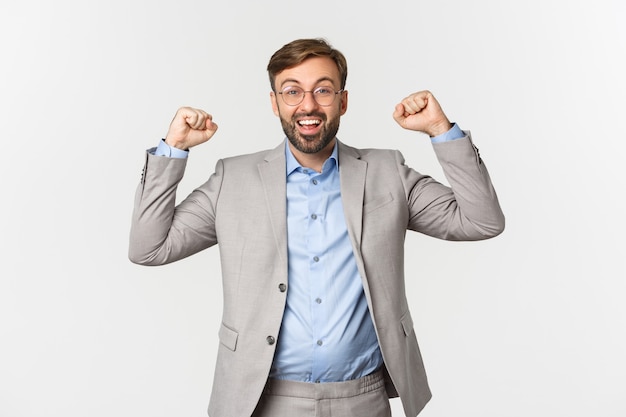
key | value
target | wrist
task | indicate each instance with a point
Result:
(175, 144)
(454, 133)
(440, 128)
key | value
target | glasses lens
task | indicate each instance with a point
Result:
(293, 95)
(324, 96)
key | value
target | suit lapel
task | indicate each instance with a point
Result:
(273, 176)
(352, 172)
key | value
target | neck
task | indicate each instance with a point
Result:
(313, 160)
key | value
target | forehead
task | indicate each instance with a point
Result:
(310, 72)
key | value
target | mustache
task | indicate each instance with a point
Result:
(319, 115)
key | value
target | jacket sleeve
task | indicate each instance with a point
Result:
(162, 232)
(468, 209)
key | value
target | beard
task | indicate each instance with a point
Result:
(310, 143)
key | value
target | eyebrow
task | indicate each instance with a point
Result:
(293, 80)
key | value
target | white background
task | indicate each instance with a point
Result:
(531, 323)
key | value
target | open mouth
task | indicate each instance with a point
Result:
(309, 127)
(309, 122)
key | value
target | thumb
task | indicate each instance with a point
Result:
(210, 128)
(210, 125)
(398, 113)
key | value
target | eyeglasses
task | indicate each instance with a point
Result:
(324, 96)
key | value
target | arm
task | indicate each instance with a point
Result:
(160, 231)
(469, 209)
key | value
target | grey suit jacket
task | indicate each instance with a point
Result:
(243, 208)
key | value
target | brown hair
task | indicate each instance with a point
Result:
(296, 52)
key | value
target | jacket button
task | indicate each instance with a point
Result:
(282, 287)
(270, 340)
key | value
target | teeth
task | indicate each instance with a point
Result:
(309, 122)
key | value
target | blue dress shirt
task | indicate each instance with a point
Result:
(327, 334)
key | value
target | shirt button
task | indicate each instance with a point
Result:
(314, 216)
(318, 300)
(314, 182)
(320, 343)
(282, 287)
(316, 259)
(270, 340)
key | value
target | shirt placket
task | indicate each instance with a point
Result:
(317, 241)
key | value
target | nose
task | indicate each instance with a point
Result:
(308, 102)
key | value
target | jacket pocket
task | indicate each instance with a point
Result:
(228, 337)
(377, 203)
(407, 323)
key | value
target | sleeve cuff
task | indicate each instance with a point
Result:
(455, 132)
(163, 149)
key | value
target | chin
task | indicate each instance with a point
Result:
(309, 144)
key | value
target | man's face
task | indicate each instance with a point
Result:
(309, 126)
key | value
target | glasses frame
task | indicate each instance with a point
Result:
(312, 93)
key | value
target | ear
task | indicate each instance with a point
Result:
(344, 103)
(274, 103)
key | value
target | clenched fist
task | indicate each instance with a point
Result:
(190, 127)
(421, 112)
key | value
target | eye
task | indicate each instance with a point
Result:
(324, 91)
(292, 91)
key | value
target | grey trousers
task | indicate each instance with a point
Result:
(363, 397)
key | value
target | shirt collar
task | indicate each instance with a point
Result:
(293, 164)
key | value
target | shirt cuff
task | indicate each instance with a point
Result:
(169, 151)
(455, 132)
